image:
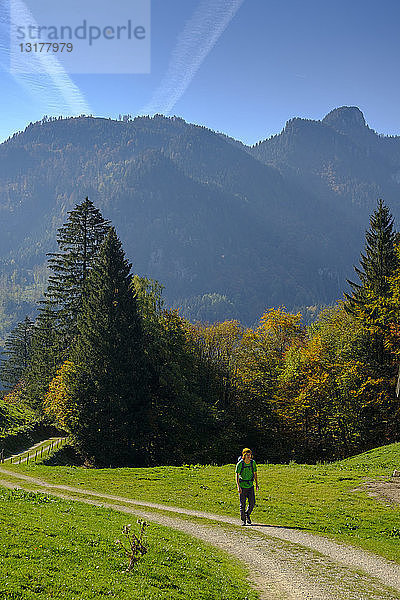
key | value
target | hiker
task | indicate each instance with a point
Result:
(246, 474)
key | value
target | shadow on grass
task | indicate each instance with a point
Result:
(279, 527)
(66, 456)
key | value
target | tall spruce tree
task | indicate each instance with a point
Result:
(108, 391)
(79, 240)
(379, 260)
(17, 352)
(370, 298)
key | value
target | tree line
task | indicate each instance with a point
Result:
(136, 384)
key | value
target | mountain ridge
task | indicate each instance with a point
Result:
(277, 223)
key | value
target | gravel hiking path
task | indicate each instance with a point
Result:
(284, 564)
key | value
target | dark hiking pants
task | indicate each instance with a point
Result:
(250, 495)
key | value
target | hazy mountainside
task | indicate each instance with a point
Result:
(340, 158)
(229, 230)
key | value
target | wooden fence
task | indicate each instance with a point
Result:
(34, 454)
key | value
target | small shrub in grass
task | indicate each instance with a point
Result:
(134, 546)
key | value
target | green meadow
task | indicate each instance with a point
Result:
(327, 499)
(52, 548)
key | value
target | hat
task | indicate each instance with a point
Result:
(245, 450)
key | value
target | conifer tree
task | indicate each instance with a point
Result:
(17, 350)
(44, 358)
(79, 241)
(379, 261)
(108, 390)
(370, 299)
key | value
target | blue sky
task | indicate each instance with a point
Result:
(243, 67)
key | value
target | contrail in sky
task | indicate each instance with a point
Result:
(47, 80)
(197, 39)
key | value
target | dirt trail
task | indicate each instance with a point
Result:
(284, 564)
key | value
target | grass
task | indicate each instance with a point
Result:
(326, 499)
(14, 416)
(52, 548)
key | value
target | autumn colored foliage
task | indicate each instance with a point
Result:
(58, 402)
(140, 384)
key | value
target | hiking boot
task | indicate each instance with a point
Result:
(248, 519)
(243, 523)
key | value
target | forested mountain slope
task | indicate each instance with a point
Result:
(228, 229)
(339, 158)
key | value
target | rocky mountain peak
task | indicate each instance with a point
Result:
(345, 119)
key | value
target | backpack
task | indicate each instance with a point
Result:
(241, 461)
